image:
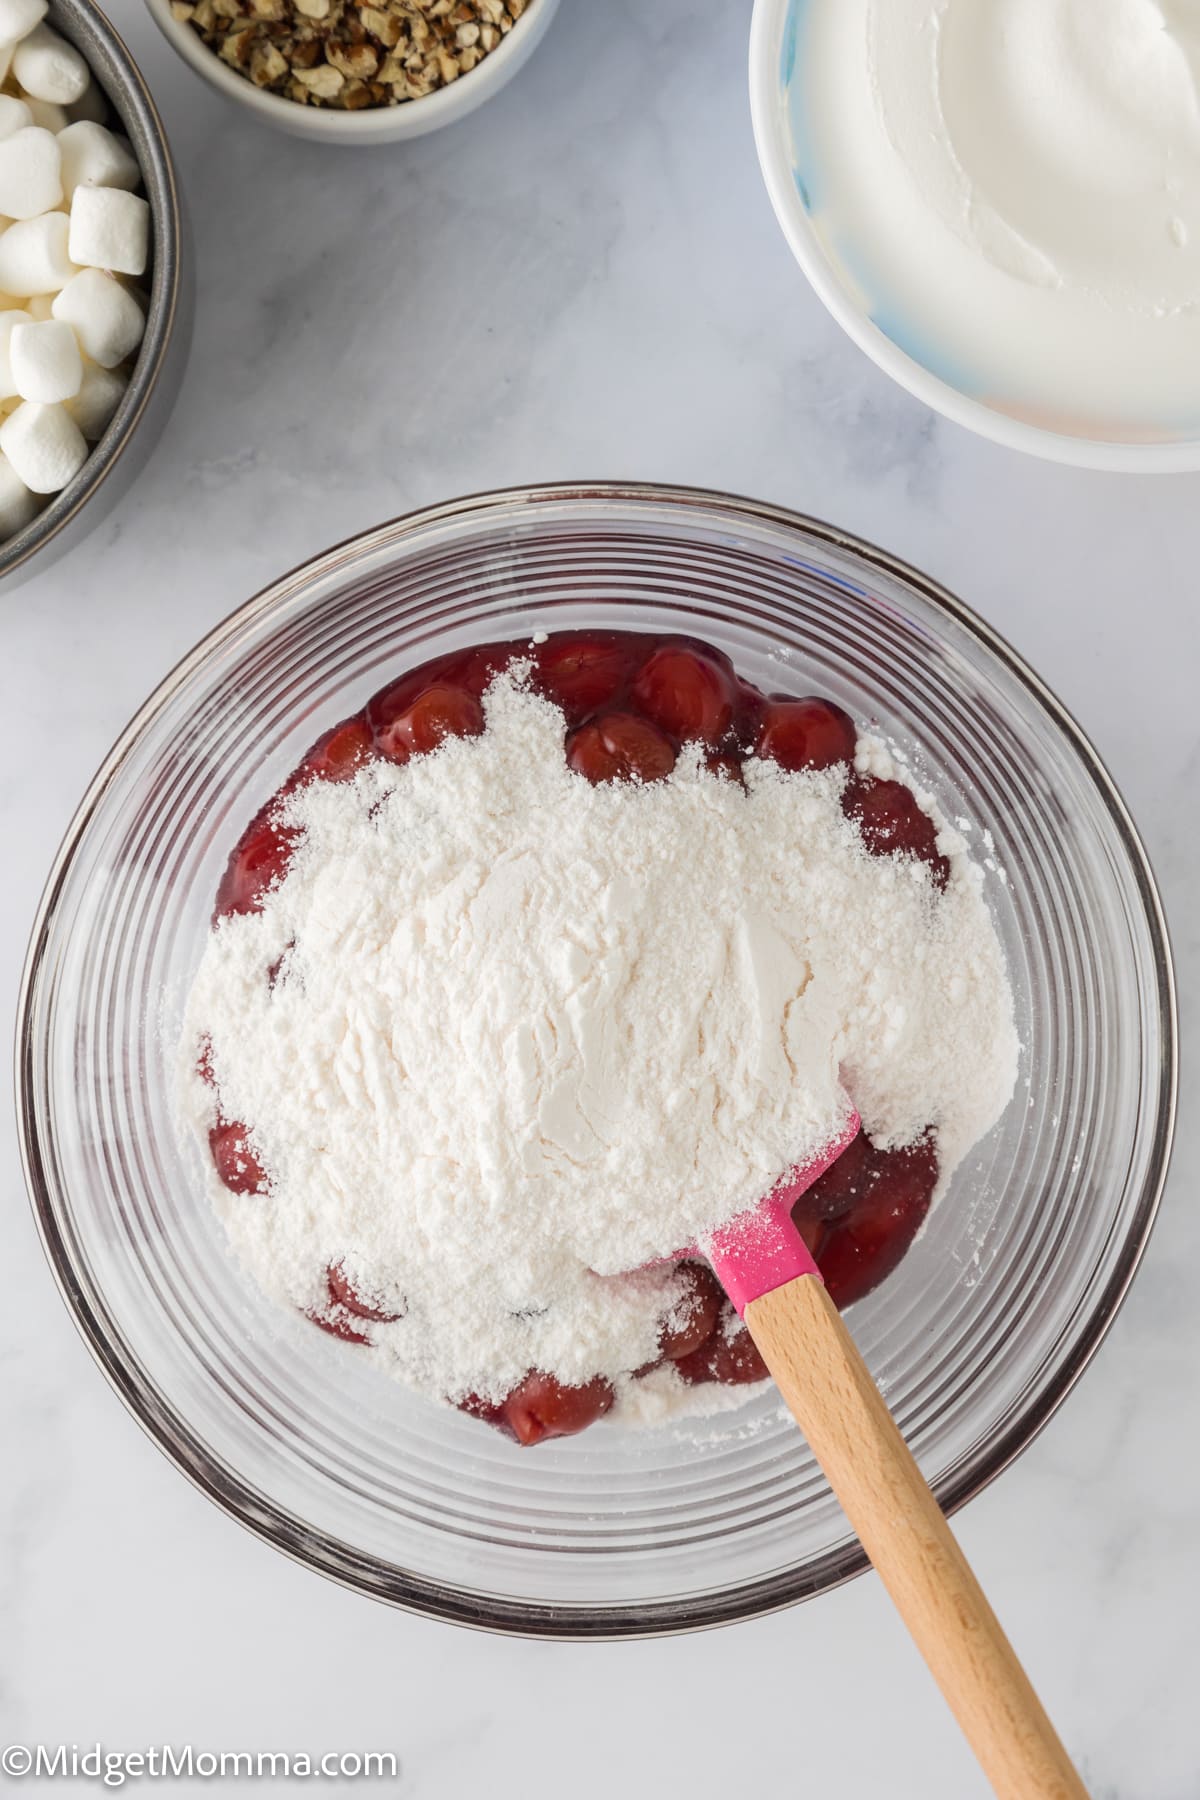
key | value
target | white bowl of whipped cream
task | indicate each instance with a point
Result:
(999, 200)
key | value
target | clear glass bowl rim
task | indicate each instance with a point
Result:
(171, 1434)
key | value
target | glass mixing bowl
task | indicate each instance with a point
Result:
(975, 1339)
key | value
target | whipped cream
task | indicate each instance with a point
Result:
(1013, 186)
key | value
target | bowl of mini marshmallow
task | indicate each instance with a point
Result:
(90, 273)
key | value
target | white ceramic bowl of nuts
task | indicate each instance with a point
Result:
(356, 71)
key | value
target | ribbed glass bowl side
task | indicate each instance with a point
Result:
(977, 1336)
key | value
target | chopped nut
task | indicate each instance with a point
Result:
(415, 87)
(383, 25)
(356, 61)
(323, 83)
(267, 66)
(237, 47)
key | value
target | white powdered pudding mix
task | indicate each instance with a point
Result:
(526, 1035)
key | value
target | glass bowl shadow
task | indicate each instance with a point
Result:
(975, 1339)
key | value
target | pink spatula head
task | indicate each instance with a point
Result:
(760, 1250)
(763, 1264)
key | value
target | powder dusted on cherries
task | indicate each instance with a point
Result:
(552, 956)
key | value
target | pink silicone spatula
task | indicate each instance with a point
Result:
(763, 1264)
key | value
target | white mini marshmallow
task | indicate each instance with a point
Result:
(49, 68)
(33, 255)
(45, 360)
(17, 504)
(91, 104)
(109, 229)
(30, 172)
(44, 445)
(107, 320)
(97, 400)
(40, 306)
(47, 113)
(9, 320)
(93, 156)
(14, 115)
(6, 56)
(18, 18)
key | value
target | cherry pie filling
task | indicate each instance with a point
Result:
(630, 701)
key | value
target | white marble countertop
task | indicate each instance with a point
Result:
(583, 279)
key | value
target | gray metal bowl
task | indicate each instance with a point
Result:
(114, 461)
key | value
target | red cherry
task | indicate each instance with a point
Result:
(341, 753)
(582, 671)
(732, 1360)
(543, 1407)
(844, 1183)
(387, 705)
(339, 1324)
(860, 1233)
(436, 714)
(726, 765)
(343, 1292)
(892, 823)
(620, 747)
(258, 864)
(697, 1313)
(473, 670)
(687, 693)
(748, 713)
(275, 969)
(490, 1411)
(234, 1160)
(470, 671)
(806, 734)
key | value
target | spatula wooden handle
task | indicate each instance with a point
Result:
(853, 1436)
